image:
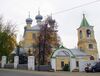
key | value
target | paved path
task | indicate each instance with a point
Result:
(7, 72)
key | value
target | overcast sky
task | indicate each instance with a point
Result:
(17, 11)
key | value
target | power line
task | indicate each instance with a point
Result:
(75, 7)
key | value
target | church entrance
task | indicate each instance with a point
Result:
(23, 59)
(60, 59)
(63, 63)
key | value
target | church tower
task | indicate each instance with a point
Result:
(28, 40)
(86, 39)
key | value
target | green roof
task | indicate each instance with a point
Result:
(84, 22)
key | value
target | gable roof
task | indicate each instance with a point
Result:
(78, 52)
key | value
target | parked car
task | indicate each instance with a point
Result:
(94, 68)
(88, 68)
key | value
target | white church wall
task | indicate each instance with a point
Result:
(72, 64)
(53, 63)
(16, 61)
(31, 63)
(3, 62)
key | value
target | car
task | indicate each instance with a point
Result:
(96, 67)
(88, 68)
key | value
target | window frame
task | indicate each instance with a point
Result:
(90, 46)
(81, 35)
(88, 33)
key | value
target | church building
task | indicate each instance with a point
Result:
(40, 37)
(76, 58)
(86, 39)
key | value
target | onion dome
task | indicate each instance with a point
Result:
(39, 17)
(29, 20)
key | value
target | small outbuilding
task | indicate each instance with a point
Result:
(69, 59)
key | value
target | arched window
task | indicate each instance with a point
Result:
(88, 32)
(80, 34)
(91, 58)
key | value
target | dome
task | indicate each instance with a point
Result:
(29, 20)
(38, 17)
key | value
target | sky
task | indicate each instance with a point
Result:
(16, 11)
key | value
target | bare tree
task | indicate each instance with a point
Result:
(48, 40)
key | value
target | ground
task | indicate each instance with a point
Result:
(7, 72)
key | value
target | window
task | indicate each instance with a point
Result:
(77, 63)
(90, 46)
(62, 64)
(88, 32)
(80, 34)
(34, 36)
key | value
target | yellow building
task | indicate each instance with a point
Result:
(86, 39)
(31, 37)
(70, 57)
(77, 58)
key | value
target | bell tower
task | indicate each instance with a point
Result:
(86, 39)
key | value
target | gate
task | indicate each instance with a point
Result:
(23, 59)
